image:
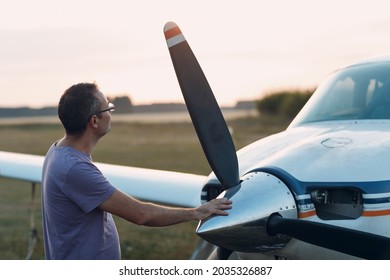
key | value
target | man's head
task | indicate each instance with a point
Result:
(78, 105)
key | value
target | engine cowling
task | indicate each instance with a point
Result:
(258, 196)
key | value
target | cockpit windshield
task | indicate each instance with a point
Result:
(356, 92)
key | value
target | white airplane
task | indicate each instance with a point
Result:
(318, 190)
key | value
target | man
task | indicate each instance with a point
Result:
(77, 200)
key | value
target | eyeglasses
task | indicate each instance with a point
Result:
(111, 108)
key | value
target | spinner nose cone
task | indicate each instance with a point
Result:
(254, 200)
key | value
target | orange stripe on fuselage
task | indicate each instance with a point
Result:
(307, 214)
(172, 32)
(376, 213)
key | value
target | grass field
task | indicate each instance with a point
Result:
(167, 146)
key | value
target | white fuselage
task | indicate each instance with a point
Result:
(352, 152)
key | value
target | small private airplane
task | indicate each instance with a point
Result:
(318, 190)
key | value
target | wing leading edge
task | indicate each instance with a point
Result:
(168, 187)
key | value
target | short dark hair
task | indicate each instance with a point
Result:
(77, 105)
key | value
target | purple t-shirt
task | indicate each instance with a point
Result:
(72, 189)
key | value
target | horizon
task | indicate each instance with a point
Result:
(153, 103)
(246, 48)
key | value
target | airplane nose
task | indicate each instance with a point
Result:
(258, 196)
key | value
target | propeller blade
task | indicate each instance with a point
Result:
(203, 108)
(220, 254)
(352, 242)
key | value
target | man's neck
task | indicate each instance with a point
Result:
(80, 143)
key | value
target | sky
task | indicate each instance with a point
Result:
(246, 48)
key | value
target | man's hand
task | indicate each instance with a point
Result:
(215, 206)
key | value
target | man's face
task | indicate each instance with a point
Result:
(104, 122)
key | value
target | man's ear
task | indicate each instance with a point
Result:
(93, 121)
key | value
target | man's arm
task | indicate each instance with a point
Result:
(150, 214)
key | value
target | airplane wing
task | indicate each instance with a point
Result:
(168, 187)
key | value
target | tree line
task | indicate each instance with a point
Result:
(284, 103)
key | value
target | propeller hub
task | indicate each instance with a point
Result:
(258, 196)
